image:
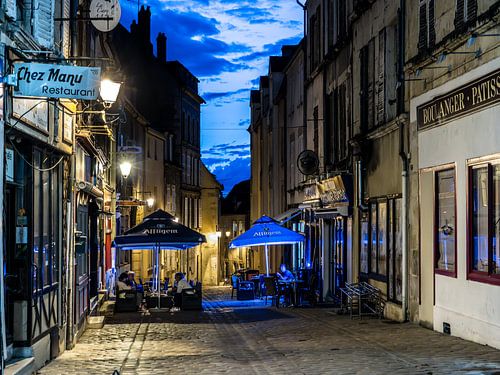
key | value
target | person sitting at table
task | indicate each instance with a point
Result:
(284, 274)
(179, 285)
(122, 283)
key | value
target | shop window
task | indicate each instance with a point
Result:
(484, 211)
(365, 245)
(445, 233)
(381, 244)
(46, 220)
(378, 238)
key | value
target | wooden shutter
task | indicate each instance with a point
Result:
(380, 94)
(471, 10)
(391, 71)
(459, 16)
(66, 37)
(432, 30)
(43, 27)
(422, 31)
(371, 84)
(10, 8)
(363, 57)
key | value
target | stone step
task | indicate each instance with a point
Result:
(95, 322)
(20, 366)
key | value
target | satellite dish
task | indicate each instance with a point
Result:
(105, 14)
(308, 162)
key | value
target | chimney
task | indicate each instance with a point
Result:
(161, 47)
(144, 27)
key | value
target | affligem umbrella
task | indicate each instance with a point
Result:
(264, 232)
(159, 231)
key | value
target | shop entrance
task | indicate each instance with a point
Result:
(338, 258)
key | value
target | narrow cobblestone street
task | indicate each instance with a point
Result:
(230, 336)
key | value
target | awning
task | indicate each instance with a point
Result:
(332, 212)
(287, 215)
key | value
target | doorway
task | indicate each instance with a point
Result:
(338, 257)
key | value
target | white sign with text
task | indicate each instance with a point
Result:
(57, 81)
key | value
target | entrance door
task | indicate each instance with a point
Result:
(338, 255)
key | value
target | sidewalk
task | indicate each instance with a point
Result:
(247, 337)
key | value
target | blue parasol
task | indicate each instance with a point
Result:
(264, 232)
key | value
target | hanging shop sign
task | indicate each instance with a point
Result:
(334, 191)
(57, 81)
(105, 14)
(466, 99)
(311, 192)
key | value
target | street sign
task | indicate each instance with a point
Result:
(57, 81)
(130, 149)
(105, 14)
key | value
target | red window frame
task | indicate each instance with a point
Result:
(438, 271)
(473, 275)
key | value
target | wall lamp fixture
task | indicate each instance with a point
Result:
(418, 71)
(442, 57)
(474, 36)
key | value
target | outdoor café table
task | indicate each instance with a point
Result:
(294, 287)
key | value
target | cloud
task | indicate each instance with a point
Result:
(229, 173)
(244, 122)
(209, 96)
(270, 49)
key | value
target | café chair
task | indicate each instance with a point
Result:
(271, 290)
(235, 280)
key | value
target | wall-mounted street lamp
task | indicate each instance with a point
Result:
(150, 202)
(125, 168)
(109, 91)
(228, 233)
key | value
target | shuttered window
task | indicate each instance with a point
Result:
(466, 12)
(10, 8)
(380, 91)
(43, 22)
(427, 32)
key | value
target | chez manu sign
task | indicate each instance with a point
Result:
(466, 99)
(57, 81)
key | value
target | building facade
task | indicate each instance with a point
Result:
(454, 109)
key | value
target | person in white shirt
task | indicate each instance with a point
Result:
(181, 284)
(121, 284)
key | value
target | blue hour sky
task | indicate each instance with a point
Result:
(226, 44)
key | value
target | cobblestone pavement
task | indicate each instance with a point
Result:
(250, 338)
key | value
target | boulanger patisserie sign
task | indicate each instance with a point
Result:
(466, 99)
(57, 81)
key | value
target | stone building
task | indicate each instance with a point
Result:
(453, 61)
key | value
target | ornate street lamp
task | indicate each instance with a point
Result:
(109, 91)
(125, 168)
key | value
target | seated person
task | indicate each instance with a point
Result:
(131, 280)
(285, 274)
(179, 285)
(122, 283)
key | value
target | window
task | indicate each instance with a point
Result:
(316, 131)
(484, 211)
(337, 21)
(427, 33)
(341, 123)
(466, 12)
(445, 233)
(365, 245)
(367, 81)
(315, 39)
(46, 198)
(381, 244)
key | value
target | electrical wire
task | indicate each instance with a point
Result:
(20, 117)
(33, 166)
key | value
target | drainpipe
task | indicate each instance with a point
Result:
(404, 159)
(3, 336)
